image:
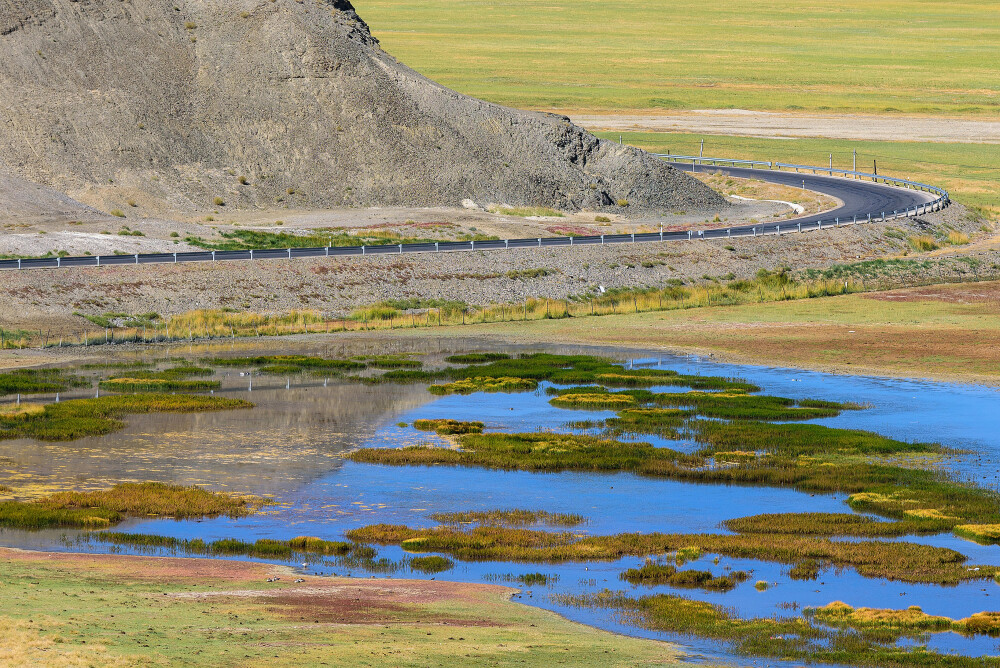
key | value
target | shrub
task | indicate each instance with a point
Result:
(923, 243)
(117, 213)
(218, 201)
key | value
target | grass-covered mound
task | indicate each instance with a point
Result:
(534, 452)
(37, 381)
(107, 507)
(791, 638)
(299, 362)
(485, 384)
(729, 405)
(264, 548)
(446, 427)
(834, 524)
(129, 384)
(906, 562)
(562, 370)
(516, 517)
(652, 574)
(70, 420)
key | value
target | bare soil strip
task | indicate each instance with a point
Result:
(776, 125)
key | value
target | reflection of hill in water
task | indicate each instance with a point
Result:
(291, 437)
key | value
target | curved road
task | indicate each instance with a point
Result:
(862, 200)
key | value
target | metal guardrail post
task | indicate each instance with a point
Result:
(289, 253)
(437, 247)
(362, 249)
(602, 239)
(539, 242)
(137, 258)
(213, 256)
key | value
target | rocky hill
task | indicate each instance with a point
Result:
(182, 105)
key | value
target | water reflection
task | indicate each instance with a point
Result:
(291, 446)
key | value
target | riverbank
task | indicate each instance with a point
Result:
(941, 332)
(81, 609)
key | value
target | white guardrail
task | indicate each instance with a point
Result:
(939, 202)
(943, 198)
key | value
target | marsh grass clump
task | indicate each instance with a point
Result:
(739, 406)
(805, 570)
(906, 562)
(389, 362)
(984, 534)
(128, 384)
(514, 518)
(787, 638)
(485, 384)
(665, 422)
(446, 427)
(432, 564)
(301, 362)
(37, 381)
(652, 574)
(77, 418)
(157, 498)
(594, 401)
(532, 452)
(265, 548)
(834, 524)
(94, 510)
(476, 358)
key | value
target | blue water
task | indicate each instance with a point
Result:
(344, 495)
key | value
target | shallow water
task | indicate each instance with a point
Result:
(291, 446)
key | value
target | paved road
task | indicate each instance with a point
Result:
(861, 199)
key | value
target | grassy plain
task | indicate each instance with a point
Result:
(139, 611)
(945, 332)
(968, 171)
(930, 57)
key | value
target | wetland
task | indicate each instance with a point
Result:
(735, 510)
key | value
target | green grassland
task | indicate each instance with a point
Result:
(968, 171)
(84, 610)
(926, 57)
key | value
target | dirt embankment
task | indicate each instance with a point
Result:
(47, 299)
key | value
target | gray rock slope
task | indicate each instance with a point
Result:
(263, 103)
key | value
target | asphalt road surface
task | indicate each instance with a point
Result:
(862, 200)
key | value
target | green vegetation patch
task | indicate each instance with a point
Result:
(906, 562)
(485, 384)
(127, 384)
(301, 362)
(264, 548)
(37, 381)
(790, 638)
(652, 574)
(432, 564)
(446, 427)
(70, 420)
(476, 358)
(88, 510)
(516, 517)
(835, 524)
